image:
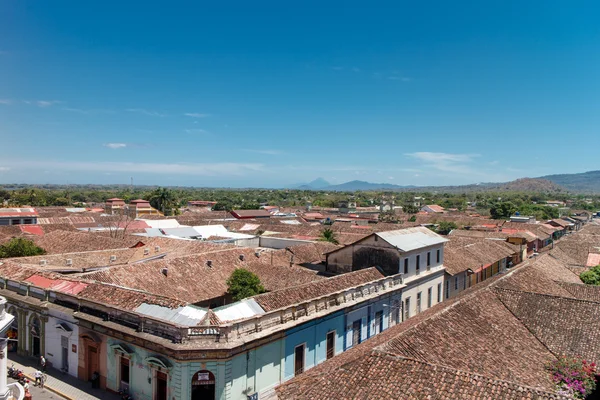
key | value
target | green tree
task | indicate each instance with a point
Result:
(413, 219)
(243, 283)
(410, 208)
(61, 201)
(446, 227)
(20, 247)
(591, 277)
(328, 235)
(163, 199)
(502, 210)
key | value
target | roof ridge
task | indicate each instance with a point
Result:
(549, 295)
(477, 289)
(321, 281)
(396, 356)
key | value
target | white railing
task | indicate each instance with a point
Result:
(16, 391)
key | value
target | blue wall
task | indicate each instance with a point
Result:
(313, 334)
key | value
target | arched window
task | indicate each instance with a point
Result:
(203, 385)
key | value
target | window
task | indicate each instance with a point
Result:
(438, 257)
(418, 302)
(124, 371)
(330, 344)
(418, 265)
(429, 297)
(406, 265)
(456, 283)
(299, 359)
(396, 312)
(407, 308)
(439, 293)
(428, 258)
(378, 322)
(356, 332)
(447, 289)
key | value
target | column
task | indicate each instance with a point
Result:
(5, 321)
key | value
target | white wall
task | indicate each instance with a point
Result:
(422, 285)
(412, 260)
(54, 341)
(280, 243)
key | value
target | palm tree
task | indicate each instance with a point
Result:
(328, 235)
(163, 199)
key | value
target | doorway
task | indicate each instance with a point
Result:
(93, 363)
(299, 359)
(64, 344)
(161, 386)
(203, 385)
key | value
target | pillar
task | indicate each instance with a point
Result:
(5, 321)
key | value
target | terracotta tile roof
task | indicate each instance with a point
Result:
(32, 229)
(385, 376)
(94, 291)
(563, 325)
(297, 294)
(462, 253)
(582, 291)
(190, 278)
(311, 252)
(88, 259)
(70, 242)
(488, 333)
(250, 213)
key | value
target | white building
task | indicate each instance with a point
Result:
(416, 253)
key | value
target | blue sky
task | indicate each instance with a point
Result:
(274, 93)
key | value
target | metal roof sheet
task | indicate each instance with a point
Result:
(186, 316)
(242, 309)
(411, 238)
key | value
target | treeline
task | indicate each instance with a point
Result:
(496, 204)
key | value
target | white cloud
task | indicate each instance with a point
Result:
(199, 169)
(265, 151)
(115, 145)
(193, 131)
(196, 115)
(4, 169)
(146, 112)
(46, 103)
(87, 112)
(448, 162)
(391, 177)
(6, 101)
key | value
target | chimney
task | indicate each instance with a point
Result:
(209, 263)
(113, 258)
(69, 262)
(146, 252)
(242, 258)
(165, 271)
(157, 248)
(43, 263)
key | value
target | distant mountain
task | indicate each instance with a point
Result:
(317, 184)
(537, 185)
(585, 182)
(362, 185)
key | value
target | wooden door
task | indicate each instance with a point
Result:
(93, 364)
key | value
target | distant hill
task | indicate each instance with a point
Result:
(585, 182)
(537, 185)
(317, 184)
(362, 185)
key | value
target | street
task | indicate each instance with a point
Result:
(40, 394)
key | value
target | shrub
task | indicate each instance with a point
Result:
(591, 277)
(20, 247)
(573, 376)
(243, 283)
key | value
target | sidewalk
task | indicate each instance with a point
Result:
(60, 383)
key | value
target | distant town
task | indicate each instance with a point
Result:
(181, 293)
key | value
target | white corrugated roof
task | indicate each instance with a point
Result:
(186, 316)
(242, 309)
(161, 223)
(412, 238)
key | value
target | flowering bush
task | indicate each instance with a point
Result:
(573, 376)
